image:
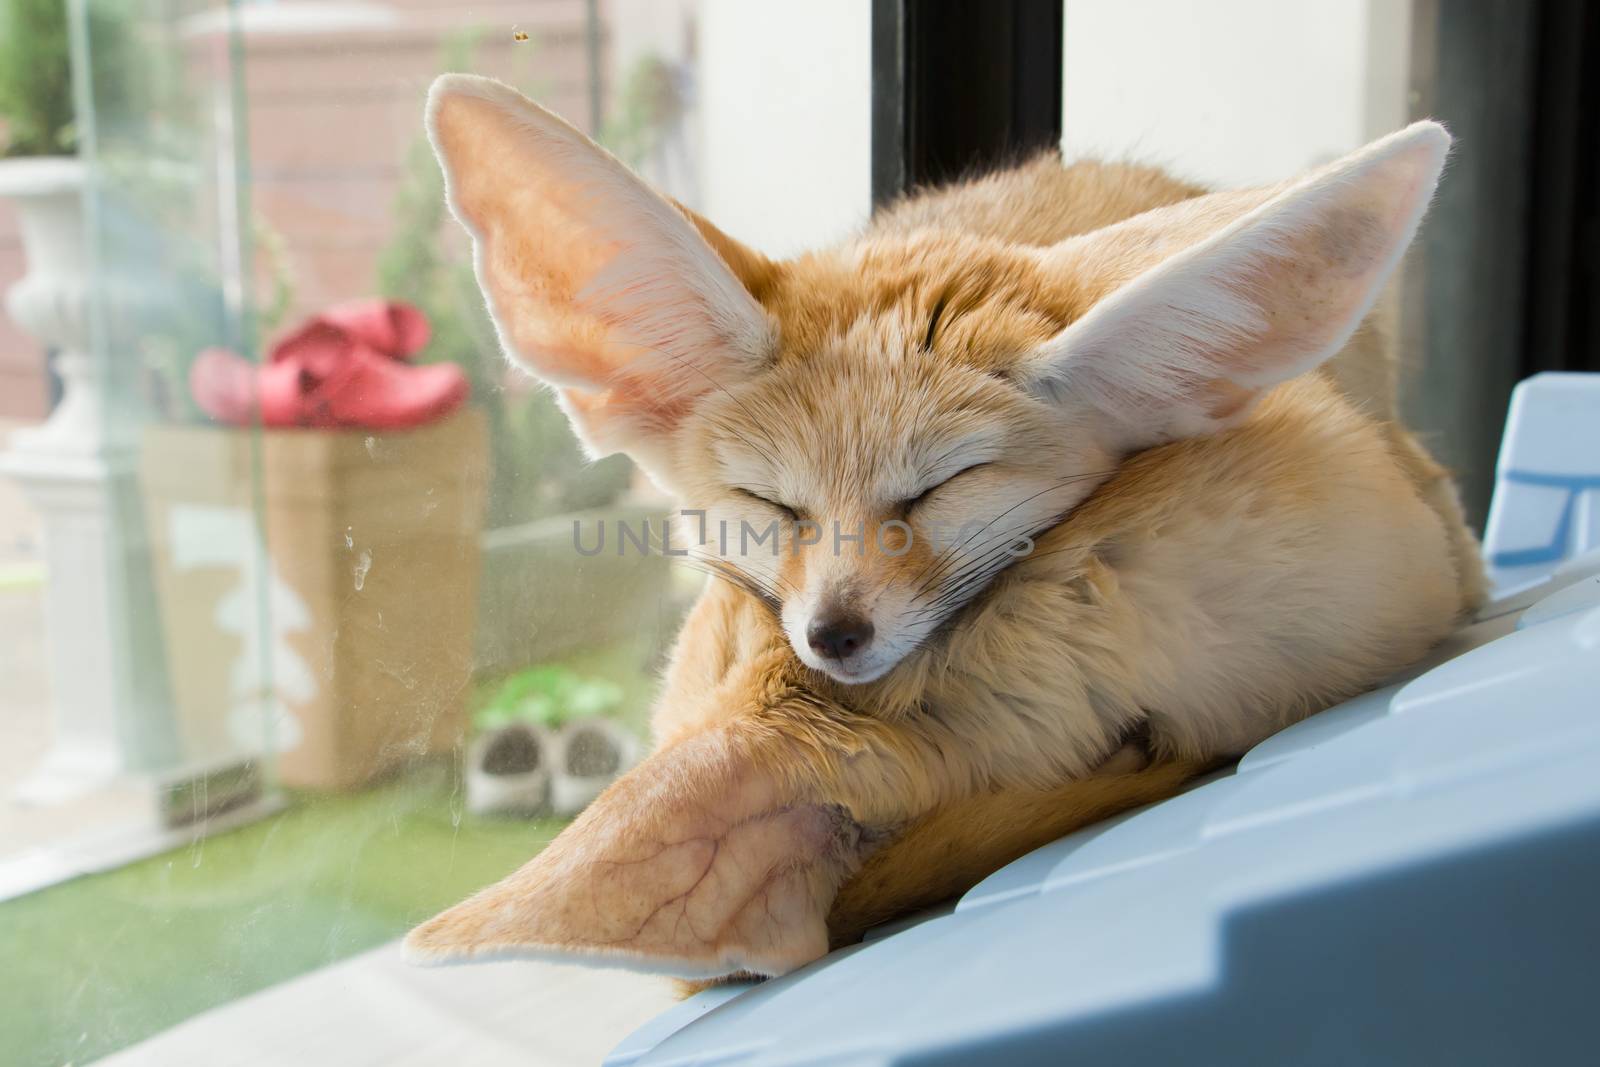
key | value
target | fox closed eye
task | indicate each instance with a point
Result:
(789, 512)
(905, 507)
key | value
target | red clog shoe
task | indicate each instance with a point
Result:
(318, 389)
(223, 384)
(389, 327)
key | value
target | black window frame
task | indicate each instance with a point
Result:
(960, 87)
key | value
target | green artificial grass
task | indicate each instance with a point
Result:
(99, 963)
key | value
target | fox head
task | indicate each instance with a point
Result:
(866, 438)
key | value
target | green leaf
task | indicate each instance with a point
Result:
(548, 695)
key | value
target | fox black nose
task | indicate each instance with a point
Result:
(839, 636)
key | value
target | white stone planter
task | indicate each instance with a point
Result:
(508, 770)
(589, 754)
(51, 301)
(68, 475)
(525, 769)
(111, 709)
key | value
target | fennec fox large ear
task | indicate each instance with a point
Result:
(1186, 346)
(596, 283)
(710, 857)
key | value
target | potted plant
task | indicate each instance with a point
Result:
(316, 572)
(547, 739)
(363, 538)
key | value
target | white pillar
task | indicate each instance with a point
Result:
(98, 612)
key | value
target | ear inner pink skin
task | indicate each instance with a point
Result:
(695, 863)
(1185, 347)
(597, 284)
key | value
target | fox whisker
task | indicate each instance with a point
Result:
(945, 559)
(773, 581)
(736, 578)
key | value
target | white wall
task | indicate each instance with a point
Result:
(1232, 91)
(1225, 91)
(785, 119)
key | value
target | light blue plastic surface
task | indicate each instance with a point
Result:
(1410, 877)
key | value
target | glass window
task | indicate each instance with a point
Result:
(314, 617)
(296, 647)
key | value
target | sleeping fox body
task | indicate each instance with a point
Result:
(1057, 458)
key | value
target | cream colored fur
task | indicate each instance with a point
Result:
(1094, 361)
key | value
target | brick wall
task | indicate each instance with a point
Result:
(331, 113)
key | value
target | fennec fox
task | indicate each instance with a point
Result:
(1055, 459)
